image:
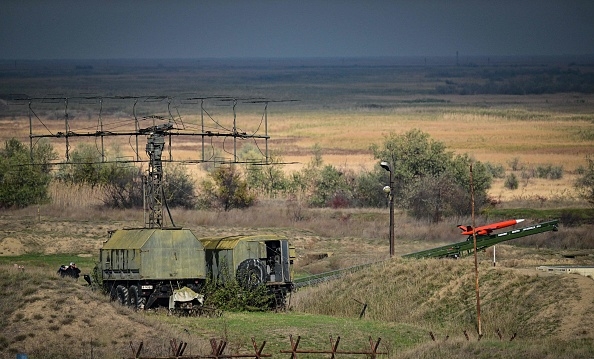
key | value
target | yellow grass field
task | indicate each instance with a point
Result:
(555, 130)
(341, 107)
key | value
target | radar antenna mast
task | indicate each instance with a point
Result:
(153, 193)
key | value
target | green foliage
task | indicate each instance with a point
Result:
(549, 171)
(178, 187)
(496, 171)
(268, 179)
(233, 297)
(411, 156)
(123, 187)
(585, 183)
(85, 167)
(368, 188)
(428, 180)
(24, 176)
(225, 189)
(511, 181)
(330, 188)
(303, 181)
(226, 293)
(122, 183)
(436, 197)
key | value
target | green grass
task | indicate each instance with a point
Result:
(50, 261)
(571, 216)
(314, 330)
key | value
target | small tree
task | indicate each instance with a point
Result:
(329, 185)
(268, 179)
(436, 197)
(428, 180)
(24, 180)
(123, 186)
(85, 167)
(225, 189)
(412, 156)
(511, 182)
(179, 187)
(585, 183)
(369, 188)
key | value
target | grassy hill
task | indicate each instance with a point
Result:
(548, 315)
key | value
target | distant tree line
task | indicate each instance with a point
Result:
(520, 82)
(429, 181)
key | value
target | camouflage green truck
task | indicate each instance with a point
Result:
(145, 267)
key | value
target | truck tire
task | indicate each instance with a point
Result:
(251, 273)
(123, 295)
(135, 298)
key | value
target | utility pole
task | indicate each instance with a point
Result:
(476, 275)
(390, 191)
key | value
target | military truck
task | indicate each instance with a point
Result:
(144, 267)
(252, 260)
(141, 267)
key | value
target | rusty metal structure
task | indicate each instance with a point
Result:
(333, 351)
(177, 350)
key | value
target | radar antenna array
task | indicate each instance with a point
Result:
(211, 131)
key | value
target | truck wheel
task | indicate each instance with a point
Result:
(134, 297)
(123, 296)
(251, 273)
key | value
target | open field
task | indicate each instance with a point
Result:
(343, 107)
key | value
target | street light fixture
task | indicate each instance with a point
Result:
(390, 191)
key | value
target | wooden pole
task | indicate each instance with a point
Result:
(476, 276)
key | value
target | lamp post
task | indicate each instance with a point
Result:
(390, 191)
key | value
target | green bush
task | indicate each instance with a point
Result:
(226, 293)
(585, 183)
(179, 188)
(225, 189)
(549, 172)
(511, 181)
(24, 175)
(123, 187)
(430, 181)
(496, 171)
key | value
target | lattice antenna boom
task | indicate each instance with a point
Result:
(154, 180)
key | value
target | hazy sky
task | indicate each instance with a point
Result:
(63, 29)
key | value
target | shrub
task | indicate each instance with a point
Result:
(585, 183)
(225, 189)
(496, 171)
(426, 175)
(226, 293)
(178, 187)
(514, 164)
(123, 187)
(556, 172)
(24, 175)
(511, 181)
